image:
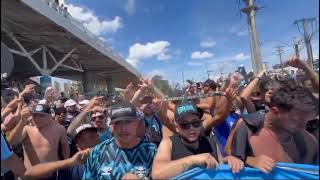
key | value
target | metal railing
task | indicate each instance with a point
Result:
(77, 23)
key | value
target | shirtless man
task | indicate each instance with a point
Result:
(280, 134)
(42, 142)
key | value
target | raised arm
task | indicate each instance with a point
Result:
(246, 93)
(207, 104)
(222, 110)
(18, 134)
(311, 74)
(81, 118)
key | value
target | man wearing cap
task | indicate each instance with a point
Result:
(188, 148)
(40, 142)
(134, 155)
(153, 125)
(60, 116)
(93, 113)
(72, 110)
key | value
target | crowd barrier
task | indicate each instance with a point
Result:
(281, 171)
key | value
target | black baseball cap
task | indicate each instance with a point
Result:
(82, 128)
(124, 112)
(41, 109)
(185, 109)
(211, 83)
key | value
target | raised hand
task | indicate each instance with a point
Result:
(29, 89)
(296, 62)
(262, 73)
(95, 101)
(145, 83)
(12, 106)
(230, 94)
(80, 157)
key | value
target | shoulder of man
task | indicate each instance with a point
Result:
(103, 145)
(254, 120)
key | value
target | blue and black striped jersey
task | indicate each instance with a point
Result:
(107, 161)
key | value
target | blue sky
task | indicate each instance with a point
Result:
(168, 37)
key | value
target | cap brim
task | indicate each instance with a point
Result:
(125, 118)
(40, 113)
(190, 113)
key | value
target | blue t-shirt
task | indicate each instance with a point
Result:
(107, 161)
(105, 135)
(223, 130)
(153, 129)
(6, 151)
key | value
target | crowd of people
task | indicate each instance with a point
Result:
(143, 135)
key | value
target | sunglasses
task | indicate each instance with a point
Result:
(187, 125)
(61, 112)
(97, 117)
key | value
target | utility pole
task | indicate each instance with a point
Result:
(296, 47)
(307, 36)
(279, 52)
(208, 72)
(250, 10)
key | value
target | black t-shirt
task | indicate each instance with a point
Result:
(206, 145)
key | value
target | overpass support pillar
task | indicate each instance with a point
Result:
(88, 82)
(110, 86)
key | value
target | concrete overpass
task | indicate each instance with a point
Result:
(46, 40)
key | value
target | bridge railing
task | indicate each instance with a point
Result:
(64, 12)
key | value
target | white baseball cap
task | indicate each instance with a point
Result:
(84, 102)
(69, 103)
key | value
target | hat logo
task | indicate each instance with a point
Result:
(39, 108)
(122, 110)
(185, 108)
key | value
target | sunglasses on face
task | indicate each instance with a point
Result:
(61, 112)
(97, 117)
(194, 123)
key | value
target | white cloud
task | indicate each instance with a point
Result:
(235, 29)
(242, 56)
(156, 49)
(194, 64)
(130, 6)
(242, 33)
(91, 21)
(201, 55)
(207, 43)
